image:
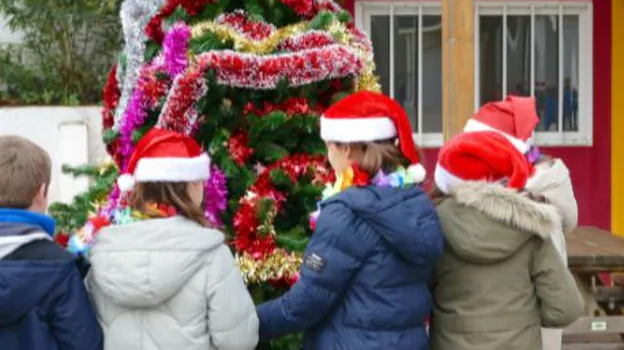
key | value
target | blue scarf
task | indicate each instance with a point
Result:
(20, 216)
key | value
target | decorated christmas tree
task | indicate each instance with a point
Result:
(249, 80)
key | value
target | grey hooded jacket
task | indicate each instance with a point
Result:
(169, 284)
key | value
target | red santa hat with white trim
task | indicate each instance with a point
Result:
(367, 116)
(515, 118)
(165, 156)
(480, 156)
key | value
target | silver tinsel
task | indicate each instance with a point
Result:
(135, 15)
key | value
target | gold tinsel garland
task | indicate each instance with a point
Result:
(367, 79)
(280, 265)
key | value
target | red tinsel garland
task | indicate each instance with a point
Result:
(183, 94)
(239, 20)
(292, 106)
(154, 29)
(264, 72)
(310, 40)
(246, 223)
(255, 72)
(301, 7)
(110, 95)
(237, 146)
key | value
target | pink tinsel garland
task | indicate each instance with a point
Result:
(175, 49)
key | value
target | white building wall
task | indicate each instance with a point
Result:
(7, 36)
(70, 135)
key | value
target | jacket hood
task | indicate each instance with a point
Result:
(145, 263)
(548, 175)
(24, 283)
(400, 215)
(486, 222)
(15, 235)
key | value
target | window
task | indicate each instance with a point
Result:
(546, 52)
(407, 44)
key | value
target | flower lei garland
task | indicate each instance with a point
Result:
(355, 177)
(81, 242)
(258, 256)
(117, 212)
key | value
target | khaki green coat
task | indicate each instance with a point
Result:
(500, 278)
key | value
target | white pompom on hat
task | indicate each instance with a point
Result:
(165, 156)
(367, 116)
(515, 118)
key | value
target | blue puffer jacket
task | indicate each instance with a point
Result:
(364, 280)
(43, 301)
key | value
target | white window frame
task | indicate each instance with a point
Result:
(364, 10)
(584, 10)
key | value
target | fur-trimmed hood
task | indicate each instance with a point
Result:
(486, 222)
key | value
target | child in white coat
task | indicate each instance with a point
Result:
(160, 279)
(551, 181)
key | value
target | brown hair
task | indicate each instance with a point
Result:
(437, 196)
(380, 155)
(174, 194)
(24, 168)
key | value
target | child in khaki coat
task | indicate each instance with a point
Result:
(501, 277)
(516, 119)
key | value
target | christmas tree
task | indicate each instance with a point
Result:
(249, 80)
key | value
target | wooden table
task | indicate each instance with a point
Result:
(591, 253)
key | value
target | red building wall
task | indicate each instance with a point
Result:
(591, 166)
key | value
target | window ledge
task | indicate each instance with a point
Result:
(555, 139)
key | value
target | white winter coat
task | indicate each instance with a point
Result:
(552, 180)
(169, 284)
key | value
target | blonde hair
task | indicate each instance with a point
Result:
(24, 168)
(378, 155)
(174, 194)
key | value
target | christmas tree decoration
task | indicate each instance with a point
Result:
(249, 80)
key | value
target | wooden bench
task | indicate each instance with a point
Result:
(592, 254)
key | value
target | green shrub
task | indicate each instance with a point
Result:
(66, 48)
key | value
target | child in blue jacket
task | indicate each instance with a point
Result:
(364, 280)
(43, 302)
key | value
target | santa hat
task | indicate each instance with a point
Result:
(480, 156)
(367, 116)
(515, 118)
(165, 156)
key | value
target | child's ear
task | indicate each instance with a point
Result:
(43, 191)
